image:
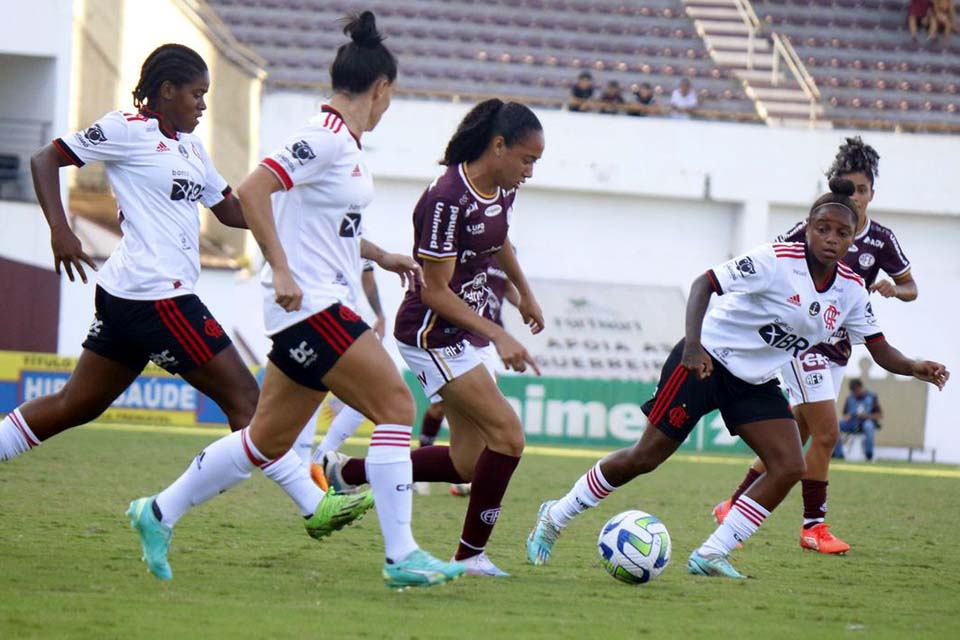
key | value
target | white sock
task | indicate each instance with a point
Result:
(304, 444)
(294, 478)
(744, 519)
(223, 464)
(390, 473)
(586, 493)
(344, 425)
(15, 436)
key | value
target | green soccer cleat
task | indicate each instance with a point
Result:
(714, 566)
(154, 537)
(336, 511)
(420, 569)
(544, 535)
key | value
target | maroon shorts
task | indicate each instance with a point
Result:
(919, 8)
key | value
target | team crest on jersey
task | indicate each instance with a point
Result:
(830, 317)
(348, 315)
(183, 151)
(814, 308)
(866, 260)
(302, 151)
(350, 225)
(212, 328)
(95, 135)
(678, 417)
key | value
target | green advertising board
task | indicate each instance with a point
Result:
(599, 413)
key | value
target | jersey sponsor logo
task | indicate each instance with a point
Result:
(470, 209)
(95, 135)
(794, 299)
(163, 359)
(464, 199)
(814, 308)
(302, 152)
(492, 211)
(422, 378)
(185, 190)
(212, 328)
(467, 255)
(678, 417)
(196, 151)
(454, 350)
(813, 379)
(814, 362)
(162, 147)
(350, 225)
(347, 314)
(303, 354)
(476, 293)
(745, 266)
(490, 516)
(177, 284)
(777, 338)
(869, 310)
(200, 457)
(874, 242)
(448, 233)
(866, 260)
(183, 151)
(356, 173)
(95, 328)
(476, 229)
(830, 317)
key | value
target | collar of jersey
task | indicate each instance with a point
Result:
(165, 129)
(866, 230)
(828, 282)
(328, 109)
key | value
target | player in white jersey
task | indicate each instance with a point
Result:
(310, 236)
(145, 306)
(729, 360)
(813, 381)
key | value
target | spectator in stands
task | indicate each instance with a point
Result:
(612, 98)
(683, 100)
(861, 414)
(943, 17)
(582, 92)
(918, 13)
(644, 100)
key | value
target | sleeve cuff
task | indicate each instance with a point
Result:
(444, 257)
(877, 337)
(67, 152)
(714, 282)
(274, 167)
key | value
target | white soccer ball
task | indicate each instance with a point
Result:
(634, 547)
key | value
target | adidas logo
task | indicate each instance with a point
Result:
(356, 171)
(162, 147)
(794, 299)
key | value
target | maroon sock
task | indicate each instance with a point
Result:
(429, 428)
(490, 479)
(433, 464)
(748, 480)
(354, 471)
(814, 500)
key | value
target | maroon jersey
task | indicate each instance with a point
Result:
(452, 221)
(873, 249)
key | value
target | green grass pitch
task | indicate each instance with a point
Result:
(244, 567)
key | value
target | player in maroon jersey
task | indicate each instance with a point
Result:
(461, 218)
(813, 380)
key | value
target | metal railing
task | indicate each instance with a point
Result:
(783, 50)
(753, 25)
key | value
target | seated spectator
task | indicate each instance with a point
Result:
(943, 18)
(582, 92)
(918, 13)
(644, 100)
(683, 100)
(611, 98)
(861, 414)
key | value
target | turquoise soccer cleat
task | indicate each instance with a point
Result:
(714, 566)
(336, 511)
(154, 537)
(544, 535)
(420, 569)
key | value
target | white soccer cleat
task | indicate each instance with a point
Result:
(332, 462)
(480, 565)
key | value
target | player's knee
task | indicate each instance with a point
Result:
(76, 408)
(393, 405)
(825, 441)
(506, 435)
(791, 471)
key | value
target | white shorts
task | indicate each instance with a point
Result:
(434, 368)
(491, 359)
(811, 378)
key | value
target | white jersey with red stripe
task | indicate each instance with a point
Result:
(770, 310)
(158, 175)
(326, 188)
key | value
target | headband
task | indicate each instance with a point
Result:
(835, 204)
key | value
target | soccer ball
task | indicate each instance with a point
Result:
(634, 547)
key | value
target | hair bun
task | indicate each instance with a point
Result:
(842, 187)
(362, 29)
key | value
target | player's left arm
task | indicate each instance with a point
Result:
(528, 306)
(411, 274)
(891, 359)
(369, 282)
(511, 294)
(229, 212)
(903, 287)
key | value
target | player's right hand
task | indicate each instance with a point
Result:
(697, 361)
(513, 354)
(932, 372)
(68, 251)
(288, 294)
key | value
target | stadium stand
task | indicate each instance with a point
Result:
(529, 49)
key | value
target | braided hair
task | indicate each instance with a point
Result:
(360, 62)
(855, 156)
(840, 191)
(490, 118)
(170, 62)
